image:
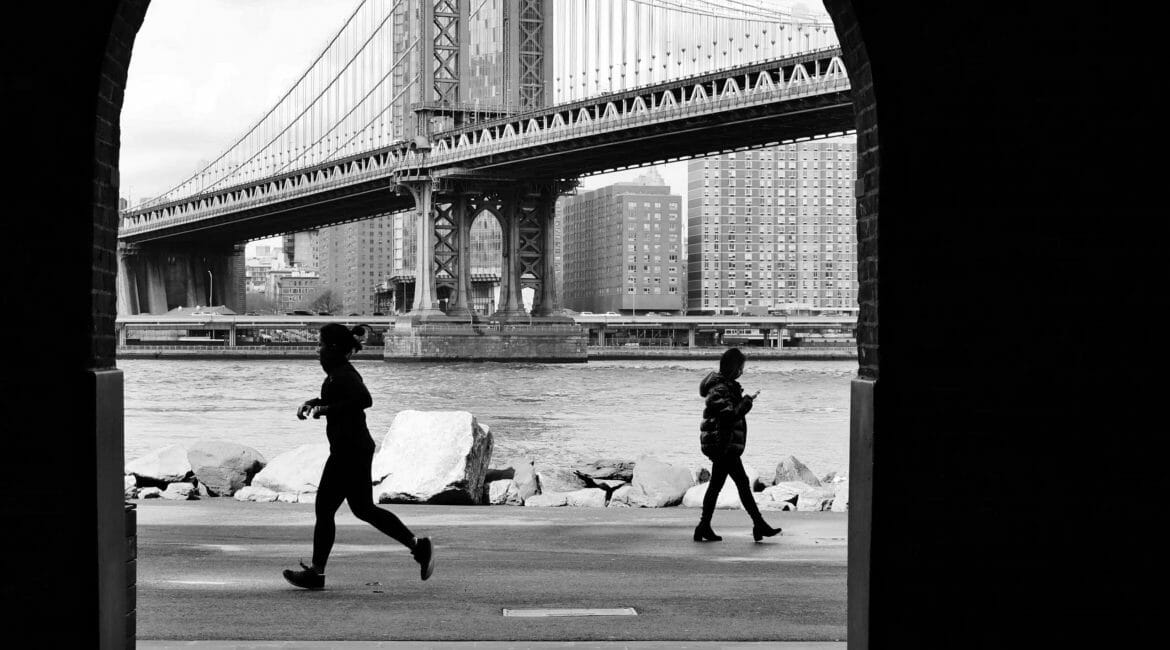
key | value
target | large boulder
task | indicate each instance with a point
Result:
(129, 486)
(620, 498)
(808, 498)
(791, 469)
(728, 495)
(160, 467)
(504, 493)
(527, 482)
(298, 470)
(224, 466)
(587, 498)
(433, 457)
(607, 469)
(558, 479)
(180, 492)
(255, 493)
(657, 484)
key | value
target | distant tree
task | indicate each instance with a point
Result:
(256, 301)
(324, 300)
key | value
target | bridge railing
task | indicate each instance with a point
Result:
(627, 118)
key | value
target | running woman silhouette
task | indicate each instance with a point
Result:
(346, 476)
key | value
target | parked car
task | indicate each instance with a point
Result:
(585, 313)
(612, 313)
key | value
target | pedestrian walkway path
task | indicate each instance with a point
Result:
(209, 573)
(490, 645)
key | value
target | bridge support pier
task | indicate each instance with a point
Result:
(156, 280)
(426, 300)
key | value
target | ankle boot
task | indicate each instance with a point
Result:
(703, 533)
(761, 529)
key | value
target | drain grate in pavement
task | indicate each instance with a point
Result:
(580, 611)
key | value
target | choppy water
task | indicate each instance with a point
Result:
(559, 414)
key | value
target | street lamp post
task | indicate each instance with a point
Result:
(210, 288)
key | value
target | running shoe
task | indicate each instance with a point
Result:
(306, 578)
(424, 554)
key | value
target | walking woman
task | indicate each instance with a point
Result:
(346, 476)
(723, 435)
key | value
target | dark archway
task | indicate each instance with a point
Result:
(1011, 196)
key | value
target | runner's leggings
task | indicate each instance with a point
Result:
(721, 468)
(347, 478)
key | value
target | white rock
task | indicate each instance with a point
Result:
(587, 498)
(166, 465)
(298, 470)
(129, 486)
(149, 493)
(809, 498)
(728, 496)
(224, 466)
(840, 496)
(180, 492)
(657, 484)
(547, 499)
(287, 497)
(500, 492)
(433, 457)
(620, 497)
(307, 497)
(791, 469)
(255, 493)
(608, 469)
(559, 479)
(527, 483)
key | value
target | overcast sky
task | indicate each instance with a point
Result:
(204, 71)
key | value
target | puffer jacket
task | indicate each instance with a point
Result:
(723, 432)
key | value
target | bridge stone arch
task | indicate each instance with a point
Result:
(486, 258)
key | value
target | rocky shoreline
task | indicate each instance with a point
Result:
(444, 457)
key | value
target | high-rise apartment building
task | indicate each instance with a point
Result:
(623, 248)
(300, 249)
(773, 229)
(354, 258)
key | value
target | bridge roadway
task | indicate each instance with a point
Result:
(797, 97)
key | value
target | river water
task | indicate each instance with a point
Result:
(559, 414)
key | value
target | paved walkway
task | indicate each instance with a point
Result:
(209, 571)
(491, 645)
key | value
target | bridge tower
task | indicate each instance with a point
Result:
(482, 61)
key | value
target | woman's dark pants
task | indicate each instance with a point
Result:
(721, 468)
(347, 478)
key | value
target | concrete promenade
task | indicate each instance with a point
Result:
(208, 575)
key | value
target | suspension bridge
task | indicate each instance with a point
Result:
(447, 109)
